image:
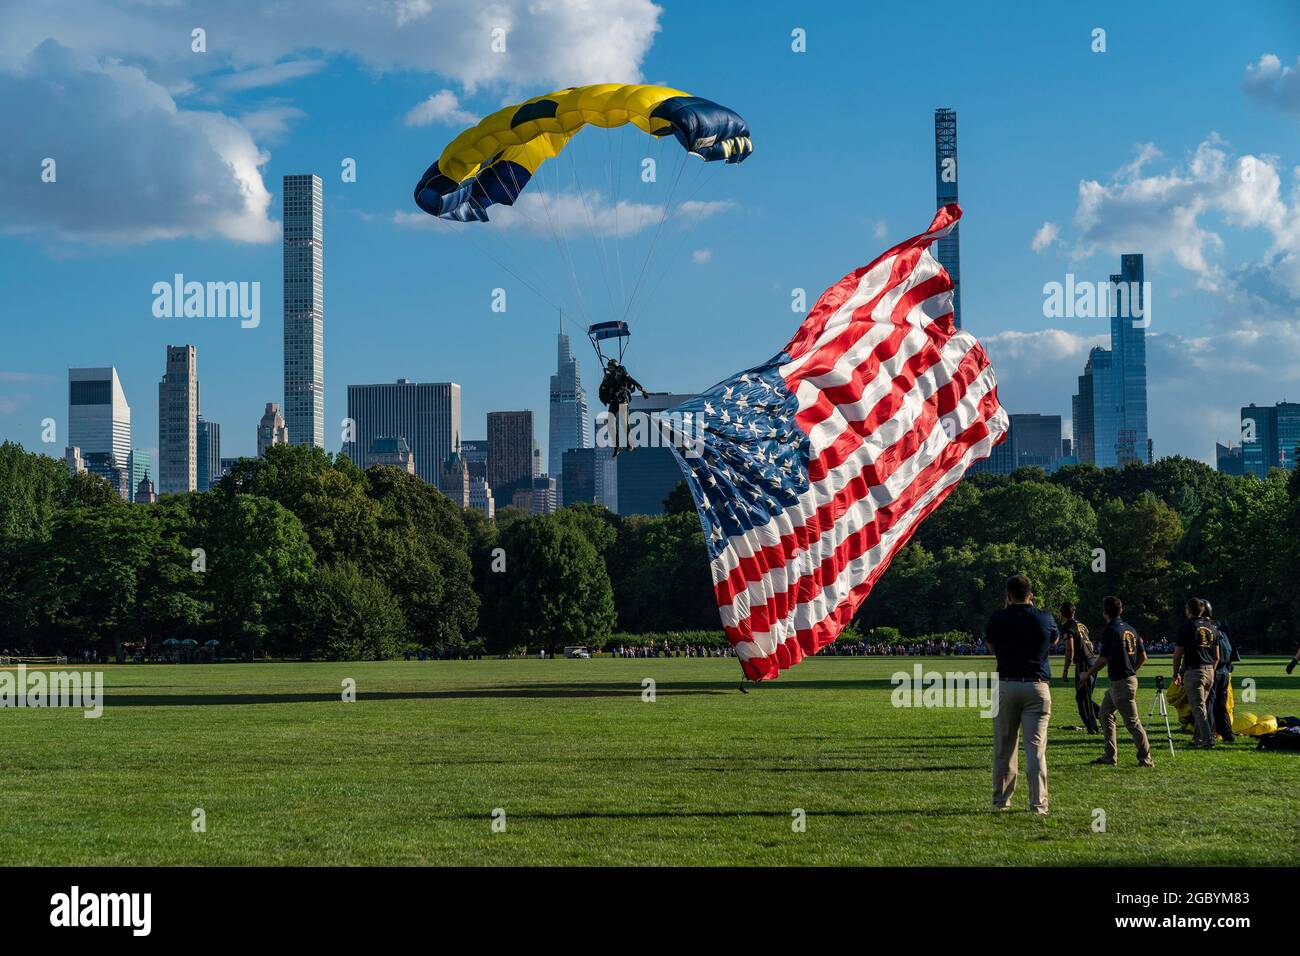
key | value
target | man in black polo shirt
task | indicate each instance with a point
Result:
(1021, 636)
(1122, 653)
(1198, 652)
(1079, 651)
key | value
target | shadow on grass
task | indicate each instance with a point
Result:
(467, 693)
(719, 814)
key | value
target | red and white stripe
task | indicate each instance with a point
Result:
(897, 405)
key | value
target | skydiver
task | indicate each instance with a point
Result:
(615, 392)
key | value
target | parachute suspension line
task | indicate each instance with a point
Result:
(522, 261)
(636, 288)
(613, 168)
(596, 240)
(702, 179)
(562, 248)
(541, 229)
(528, 285)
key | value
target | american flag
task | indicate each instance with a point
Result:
(812, 470)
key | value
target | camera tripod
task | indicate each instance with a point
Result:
(1159, 701)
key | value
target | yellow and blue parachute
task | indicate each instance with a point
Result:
(493, 161)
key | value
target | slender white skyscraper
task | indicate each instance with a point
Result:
(304, 311)
(570, 426)
(99, 419)
(178, 414)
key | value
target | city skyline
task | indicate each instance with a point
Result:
(1039, 205)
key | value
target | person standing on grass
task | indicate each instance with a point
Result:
(1021, 636)
(1078, 650)
(1123, 654)
(1198, 651)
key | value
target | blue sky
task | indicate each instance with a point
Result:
(170, 161)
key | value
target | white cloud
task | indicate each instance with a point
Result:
(441, 107)
(1174, 213)
(271, 123)
(578, 215)
(547, 42)
(701, 256)
(131, 165)
(270, 75)
(881, 230)
(1273, 84)
(1143, 154)
(1047, 234)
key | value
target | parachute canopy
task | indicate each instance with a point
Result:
(493, 161)
(603, 331)
(608, 330)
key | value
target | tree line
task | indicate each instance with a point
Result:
(302, 554)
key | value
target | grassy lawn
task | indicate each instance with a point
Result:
(587, 773)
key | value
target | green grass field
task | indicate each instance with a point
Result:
(587, 773)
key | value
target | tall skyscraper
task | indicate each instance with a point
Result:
(475, 453)
(569, 425)
(271, 430)
(945, 191)
(1128, 338)
(304, 311)
(426, 414)
(1270, 438)
(590, 475)
(1228, 459)
(140, 462)
(107, 466)
(209, 453)
(178, 412)
(1110, 407)
(99, 419)
(646, 476)
(510, 453)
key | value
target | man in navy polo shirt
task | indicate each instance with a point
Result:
(1021, 636)
(1122, 653)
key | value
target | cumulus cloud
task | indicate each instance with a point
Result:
(1181, 212)
(546, 42)
(701, 256)
(1047, 234)
(441, 107)
(1273, 84)
(580, 215)
(130, 165)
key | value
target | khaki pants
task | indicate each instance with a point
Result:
(1121, 698)
(1199, 682)
(1023, 708)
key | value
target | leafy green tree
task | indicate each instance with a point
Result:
(1139, 539)
(553, 591)
(257, 557)
(32, 490)
(425, 562)
(660, 572)
(909, 595)
(595, 522)
(342, 614)
(679, 500)
(1243, 545)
